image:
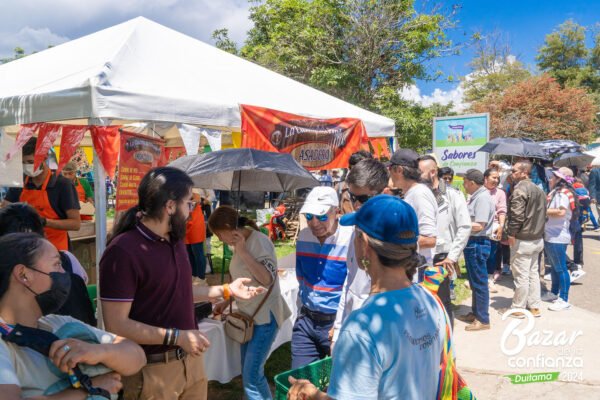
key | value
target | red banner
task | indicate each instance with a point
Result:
(139, 154)
(72, 135)
(314, 143)
(26, 132)
(106, 144)
(173, 153)
(46, 137)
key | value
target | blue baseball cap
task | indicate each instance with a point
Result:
(386, 218)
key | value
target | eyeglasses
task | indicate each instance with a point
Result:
(361, 198)
(192, 205)
(321, 218)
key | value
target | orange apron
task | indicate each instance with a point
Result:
(38, 199)
(196, 227)
(82, 198)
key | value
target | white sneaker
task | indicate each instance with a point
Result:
(559, 305)
(492, 287)
(549, 297)
(548, 277)
(576, 274)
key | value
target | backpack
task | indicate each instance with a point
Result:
(575, 223)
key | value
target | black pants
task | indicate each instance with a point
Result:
(444, 290)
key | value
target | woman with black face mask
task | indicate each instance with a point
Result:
(33, 285)
(21, 217)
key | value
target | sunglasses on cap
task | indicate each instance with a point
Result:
(361, 198)
(321, 218)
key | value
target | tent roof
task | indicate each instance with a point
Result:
(142, 71)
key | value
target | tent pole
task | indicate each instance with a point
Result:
(100, 217)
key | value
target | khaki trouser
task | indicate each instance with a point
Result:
(525, 266)
(177, 380)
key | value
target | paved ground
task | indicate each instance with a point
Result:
(586, 293)
(485, 365)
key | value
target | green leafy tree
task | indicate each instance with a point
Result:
(493, 68)
(19, 53)
(565, 56)
(223, 42)
(414, 122)
(348, 48)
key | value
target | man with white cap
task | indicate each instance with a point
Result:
(321, 269)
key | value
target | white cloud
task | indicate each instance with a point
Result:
(456, 96)
(35, 24)
(30, 39)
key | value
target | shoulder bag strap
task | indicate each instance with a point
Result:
(261, 303)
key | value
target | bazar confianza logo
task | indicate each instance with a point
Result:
(520, 334)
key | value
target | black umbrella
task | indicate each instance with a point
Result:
(246, 170)
(514, 147)
(560, 146)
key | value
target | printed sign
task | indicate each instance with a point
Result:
(314, 143)
(139, 154)
(457, 139)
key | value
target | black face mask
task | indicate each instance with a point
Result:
(54, 298)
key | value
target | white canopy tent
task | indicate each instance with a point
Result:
(140, 71)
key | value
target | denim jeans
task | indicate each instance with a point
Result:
(310, 341)
(557, 258)
(477, 253)
(254, 357)
(495, 252)
(577, 239)
(197, 259)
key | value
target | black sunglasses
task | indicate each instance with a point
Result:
(361, 198)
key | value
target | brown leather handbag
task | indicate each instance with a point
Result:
(239, 326)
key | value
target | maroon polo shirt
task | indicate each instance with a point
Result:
(152, 274)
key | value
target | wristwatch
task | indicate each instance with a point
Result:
(44, 221)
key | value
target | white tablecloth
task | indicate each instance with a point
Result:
(222, 360)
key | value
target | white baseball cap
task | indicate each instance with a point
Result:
(320, 200)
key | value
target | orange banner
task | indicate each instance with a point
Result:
(106, 144)
(378, 147)
(139, 154)
(314, 143)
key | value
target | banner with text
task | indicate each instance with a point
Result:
(139, 154)
(457, 139)
(314, 143)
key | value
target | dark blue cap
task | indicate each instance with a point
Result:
(386, 218)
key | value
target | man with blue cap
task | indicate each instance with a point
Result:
(391, 347)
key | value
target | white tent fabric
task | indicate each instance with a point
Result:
(142, 71)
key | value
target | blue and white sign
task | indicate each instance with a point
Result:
(457, 139)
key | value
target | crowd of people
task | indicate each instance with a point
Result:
(376, 267)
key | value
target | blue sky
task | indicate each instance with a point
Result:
(525, 23)
(34, 24)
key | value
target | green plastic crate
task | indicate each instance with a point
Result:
(317, 373)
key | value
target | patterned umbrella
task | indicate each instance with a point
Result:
(559, 146)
